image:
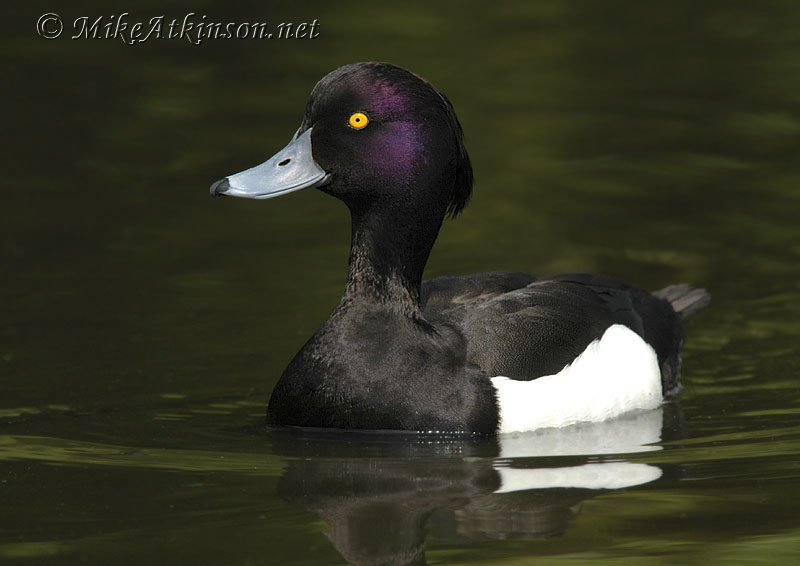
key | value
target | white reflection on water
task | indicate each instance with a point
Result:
(629, 434)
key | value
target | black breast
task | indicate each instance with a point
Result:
(371, 368)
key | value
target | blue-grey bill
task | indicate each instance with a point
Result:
(291, 169)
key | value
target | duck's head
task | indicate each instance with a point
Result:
(373, 135)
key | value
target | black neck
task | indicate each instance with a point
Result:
(388, 252)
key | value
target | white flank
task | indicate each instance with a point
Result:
(615, 374)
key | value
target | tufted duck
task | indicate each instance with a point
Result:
(485, 353)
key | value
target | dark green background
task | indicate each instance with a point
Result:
(143, 325)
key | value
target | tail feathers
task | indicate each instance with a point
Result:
(685, 300)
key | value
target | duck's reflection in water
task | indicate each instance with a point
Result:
(383, 495)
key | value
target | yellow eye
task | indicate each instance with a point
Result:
(358, 120)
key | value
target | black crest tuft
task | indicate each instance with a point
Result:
(462, 187)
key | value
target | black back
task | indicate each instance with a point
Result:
(542, 325)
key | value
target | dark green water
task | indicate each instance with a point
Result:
(143, 326)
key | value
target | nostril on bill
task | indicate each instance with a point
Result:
(284, 162)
